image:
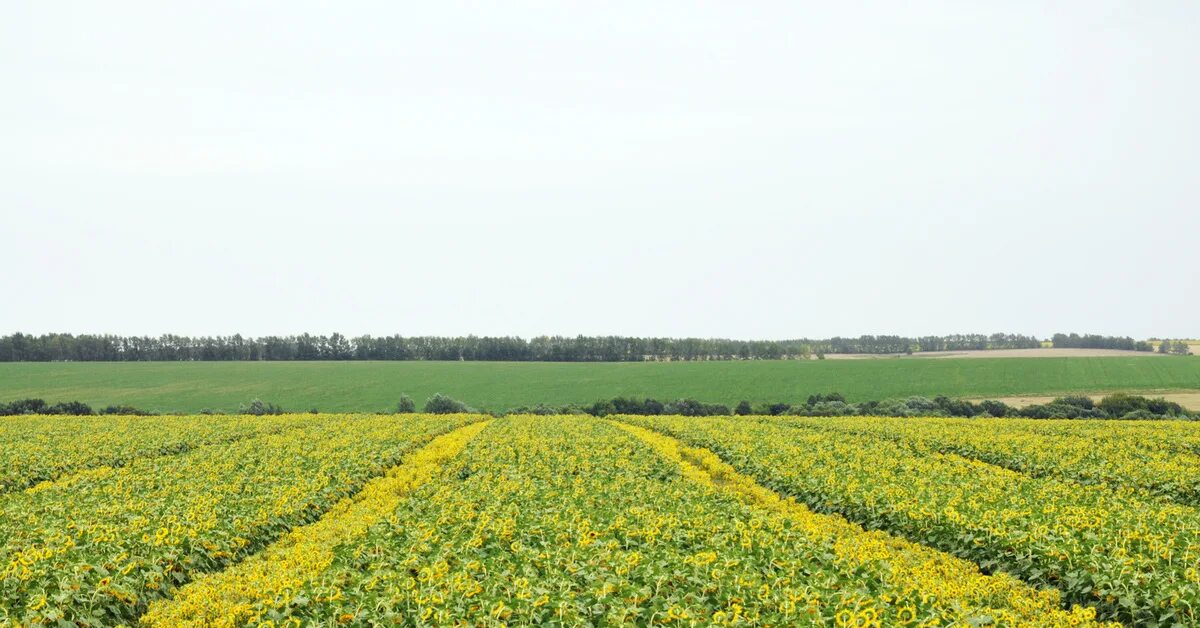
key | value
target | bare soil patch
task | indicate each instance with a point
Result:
(999, 353)
(1188, 399)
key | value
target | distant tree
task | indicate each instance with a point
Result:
(1180, 347)
(743, 408)
(1164, 346)
(406, 405)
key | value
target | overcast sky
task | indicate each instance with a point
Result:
(748, 170)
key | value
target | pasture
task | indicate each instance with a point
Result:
(375, 386)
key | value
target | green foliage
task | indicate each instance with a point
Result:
(182, 387)
(691, 407)
(603, 407)
(547, 410)
(442, 404)
(258, 407)
(132, 411)
(406, 405)
(1094, 341)
(1122, 404)
(39, 406)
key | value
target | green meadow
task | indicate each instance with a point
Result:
(374, 386)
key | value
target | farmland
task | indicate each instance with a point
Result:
(434, 519)
(375, 386)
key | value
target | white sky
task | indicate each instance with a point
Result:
(749, 170)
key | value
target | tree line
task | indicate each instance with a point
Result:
(1093, 341)
(19, 347)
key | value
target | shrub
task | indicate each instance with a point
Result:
(258, 407)
(919, 405)
(602, 408)
(1061, 411)
(38, 406)
(1076, 400)
(132, 411)
(24, 406)
(743, 408)
(776, 409)
(623, 405)
(406, 405)
(77, 408)
(691, 407)
(818, 398)
(441, 404)
(956, 407)
(1163, 407)
(544, 409)
(995, 408)
(826, 408)
(1121, 404)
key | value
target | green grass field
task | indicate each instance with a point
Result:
(372, 386)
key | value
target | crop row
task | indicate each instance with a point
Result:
(575, 520)
(36, 448)
(94, 547)
(246, 592)
(1111, 455)
(1133, 559)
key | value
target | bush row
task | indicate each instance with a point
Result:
(1116, 406)
(76, 408)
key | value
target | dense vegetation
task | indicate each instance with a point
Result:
(1118, 406)
(1126, 553)
(1174, 347)
(1092, 341)
(191, 387)
(446, 520)
(20, 347)
(461, 519)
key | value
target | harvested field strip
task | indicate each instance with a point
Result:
(1189, 399)
(238, 595)
(1133, 559)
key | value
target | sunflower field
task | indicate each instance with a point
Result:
(327, 520)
